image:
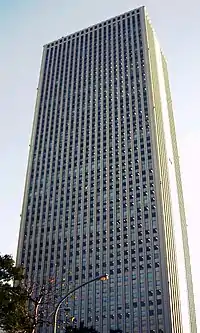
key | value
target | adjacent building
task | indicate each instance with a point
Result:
(103, 190)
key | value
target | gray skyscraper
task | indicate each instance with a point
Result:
(103, 190)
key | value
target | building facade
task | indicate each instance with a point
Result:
(103, 191)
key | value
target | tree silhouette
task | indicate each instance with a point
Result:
(81, 329)
(24, 304)
(84, 329)
(14, 316)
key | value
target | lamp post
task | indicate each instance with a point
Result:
(103, 277)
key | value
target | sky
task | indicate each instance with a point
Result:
(25, 26)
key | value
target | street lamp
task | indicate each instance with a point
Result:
(103, 277)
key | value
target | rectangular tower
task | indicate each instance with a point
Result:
(103, 189)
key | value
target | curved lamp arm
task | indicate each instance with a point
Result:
(103, 277)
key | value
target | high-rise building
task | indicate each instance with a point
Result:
(103, 190)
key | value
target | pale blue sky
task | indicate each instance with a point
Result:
(25, 26)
